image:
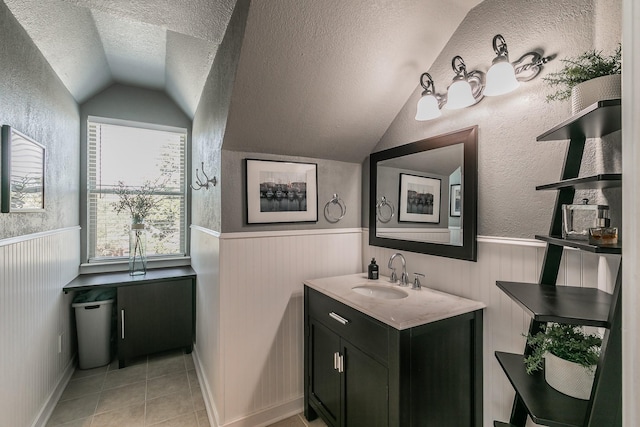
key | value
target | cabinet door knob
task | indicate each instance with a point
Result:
(338, 318)
(336, 360)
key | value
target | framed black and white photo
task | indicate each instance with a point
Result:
(22, 172)
(419, 199)
(279, 191)
(455, 200)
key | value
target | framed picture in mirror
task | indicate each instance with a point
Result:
(22, 172)
(455, 200)
(419, 199)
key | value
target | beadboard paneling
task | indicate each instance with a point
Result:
(250, 324)
(33, 313)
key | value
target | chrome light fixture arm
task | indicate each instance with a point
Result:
(529, 65)
(426, 81)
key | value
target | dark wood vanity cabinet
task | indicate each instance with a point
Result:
(362, 372)
(154, 317)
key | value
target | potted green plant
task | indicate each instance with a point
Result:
(570, 358)
(587, 78)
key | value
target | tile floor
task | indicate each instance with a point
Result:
(160, 390)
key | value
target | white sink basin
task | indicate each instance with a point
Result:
(383, 292)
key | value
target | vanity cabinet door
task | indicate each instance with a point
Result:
(324, 385)
(366, 389)
(154, 317)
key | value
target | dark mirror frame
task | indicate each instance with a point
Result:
(468, 250)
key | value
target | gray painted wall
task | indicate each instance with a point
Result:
(210, 120)
(341, 178)
(510, 161)
(127, 103)
(35, 102)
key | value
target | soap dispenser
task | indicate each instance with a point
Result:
(373, 270)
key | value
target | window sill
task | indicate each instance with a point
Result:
(112, 266)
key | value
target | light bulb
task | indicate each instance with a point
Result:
(501, 79)
(428, 108)
(459, 95)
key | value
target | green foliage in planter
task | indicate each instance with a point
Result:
(587, 66)
(565, 341)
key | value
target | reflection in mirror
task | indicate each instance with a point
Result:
(420, 183)
(22, 172)
(433, 184)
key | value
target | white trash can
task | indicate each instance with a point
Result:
(93, 324)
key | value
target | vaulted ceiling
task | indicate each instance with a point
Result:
(320, 79)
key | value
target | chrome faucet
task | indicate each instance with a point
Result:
(404, 277)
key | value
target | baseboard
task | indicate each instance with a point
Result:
(212, 412)
(263, 418)
(47, 409)
(270, 415)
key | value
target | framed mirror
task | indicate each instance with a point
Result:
(22, 172)
(423, 196)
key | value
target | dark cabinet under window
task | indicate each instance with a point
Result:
(154, 317)
(155, 312)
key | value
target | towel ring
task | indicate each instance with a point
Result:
(380, 206)
(335, 200)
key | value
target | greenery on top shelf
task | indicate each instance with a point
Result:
(586, 66)
(565, 341)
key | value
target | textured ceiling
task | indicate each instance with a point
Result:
(157, 44)
(316, 78)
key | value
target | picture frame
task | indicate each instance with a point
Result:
(281, 191)
(455, 200)
(419, 199)
(22, 175)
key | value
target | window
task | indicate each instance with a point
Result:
(130, 156)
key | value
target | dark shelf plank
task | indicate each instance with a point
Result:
(501, 424)
(122, 278)
(598, 182)
(561, 304)
(595, 121)
(582, 244)
(545, 405)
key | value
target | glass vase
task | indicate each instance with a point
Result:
(137, 250)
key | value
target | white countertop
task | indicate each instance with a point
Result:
(418, 308)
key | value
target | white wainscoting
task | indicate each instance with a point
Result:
(250, 326)
(34, 313)
(249, 344)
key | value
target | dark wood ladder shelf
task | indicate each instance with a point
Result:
(546, 302)
(582, 245)
(595, 121)
(604, 180)
(561, 304)
(545, 405)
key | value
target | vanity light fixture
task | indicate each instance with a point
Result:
(429, 103)
(468, 88)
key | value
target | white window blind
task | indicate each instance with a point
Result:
(135, 155)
